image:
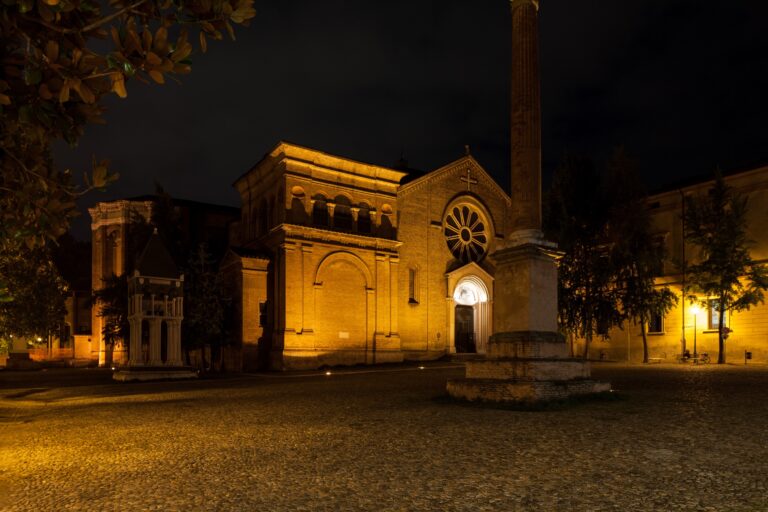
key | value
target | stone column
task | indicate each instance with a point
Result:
(355, 213)
(526, 271)
(134, 349)
(174, 343)
(154, 342)
(526, 120)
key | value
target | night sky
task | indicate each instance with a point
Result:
(682, 84)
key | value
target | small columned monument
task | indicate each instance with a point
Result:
(527, 359)
(155, 312)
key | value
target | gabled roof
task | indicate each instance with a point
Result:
(156, 261)
(462, 163)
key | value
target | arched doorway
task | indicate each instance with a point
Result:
(341, 299)
(471, 316)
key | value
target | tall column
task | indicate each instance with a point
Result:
(526, 120)
(526, 272)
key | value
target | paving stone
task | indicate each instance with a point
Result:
(678, 438)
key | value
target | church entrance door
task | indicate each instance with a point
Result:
(465, 330)
(470, 316)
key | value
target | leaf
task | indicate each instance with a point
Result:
(32, 76)
(76, 55)
(64, 93)
(4, 99)
(183, 49)
(118, 85)
(116, 38)
(99, 176)
(147, 39)
(153, 59)
(86, 94)
(52, 51)
(161, 39)
(51, 2)
(157, 76)
(203, 42)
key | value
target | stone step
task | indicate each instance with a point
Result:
(523, 392)
(529, 369)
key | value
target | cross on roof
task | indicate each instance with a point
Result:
(468, 179)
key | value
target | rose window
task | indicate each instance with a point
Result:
(465, 233)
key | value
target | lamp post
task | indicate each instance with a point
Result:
(695, 311)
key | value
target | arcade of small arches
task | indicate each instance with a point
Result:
(339, 213)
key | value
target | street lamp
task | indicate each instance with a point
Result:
(695, 312)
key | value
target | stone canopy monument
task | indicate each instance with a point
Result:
(155, 313)
(527, 358)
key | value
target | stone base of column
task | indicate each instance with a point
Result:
(151, 373)
(527, 361)
(526, 367)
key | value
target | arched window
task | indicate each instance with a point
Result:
(364, 219)
(342, 214)
(320, 211)
(298, 213)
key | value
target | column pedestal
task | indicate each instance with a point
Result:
(527, 359)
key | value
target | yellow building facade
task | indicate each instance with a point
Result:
(685, 327)
(341, 262)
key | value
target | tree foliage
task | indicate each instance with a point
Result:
(636, 257)
(60, 58)
(577, 217)
(39, 294)
(112, 303)
(205, 301)
(599, 219)
(716, 224)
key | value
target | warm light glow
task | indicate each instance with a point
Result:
(421, 367)
(39, 338)
(695, 309)
(327, 373)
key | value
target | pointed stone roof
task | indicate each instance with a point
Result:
(156, 261)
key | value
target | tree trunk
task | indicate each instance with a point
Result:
(645, 341)
(720, 340)
(587, 340)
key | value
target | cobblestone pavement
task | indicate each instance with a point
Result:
(677, 438)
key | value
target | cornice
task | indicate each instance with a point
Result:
(117, 212)
(345, 239)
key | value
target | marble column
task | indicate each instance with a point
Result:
(526, 120)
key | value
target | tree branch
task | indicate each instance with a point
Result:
(88, 27)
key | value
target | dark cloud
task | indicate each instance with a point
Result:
(680, 83)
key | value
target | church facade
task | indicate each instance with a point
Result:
(338, 262)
